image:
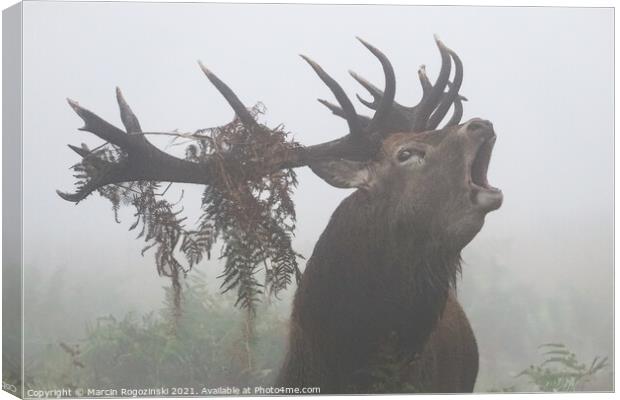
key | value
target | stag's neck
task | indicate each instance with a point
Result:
(363, 228)
(373, 276)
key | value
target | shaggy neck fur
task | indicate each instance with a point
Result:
(372, 276)
(388, 242)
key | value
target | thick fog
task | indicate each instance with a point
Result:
(539, 271)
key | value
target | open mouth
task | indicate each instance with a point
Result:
(484, 194)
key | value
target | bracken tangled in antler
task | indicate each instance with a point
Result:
(247, 204)
(250, 208)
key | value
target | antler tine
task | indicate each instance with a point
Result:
(370, 104)
(458, 111)
(242, 112)
(376, 93)
(132, 125)
(430, 101)
(424, 81)
(452, 94)
(80, 194)
(332, 107)
(347, 107)
(338, 111)
(83, 152)
(387, 100)
(96, 125)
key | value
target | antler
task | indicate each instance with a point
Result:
(433, 106)
(142, 161)
(362, 141)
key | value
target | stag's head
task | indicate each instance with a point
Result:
(434, 180)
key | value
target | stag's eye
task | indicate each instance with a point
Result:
(408, 154)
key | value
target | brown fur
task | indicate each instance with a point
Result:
(383, 273)
(449, 361)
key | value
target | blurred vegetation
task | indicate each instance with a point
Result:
(209, 347)
(560, 371)
(511, 316)
(206, 347)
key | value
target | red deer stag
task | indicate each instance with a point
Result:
(380, 284)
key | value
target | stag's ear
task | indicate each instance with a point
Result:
(343, 173)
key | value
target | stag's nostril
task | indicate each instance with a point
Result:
(479, 124)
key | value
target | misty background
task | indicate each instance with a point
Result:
(540, 270)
